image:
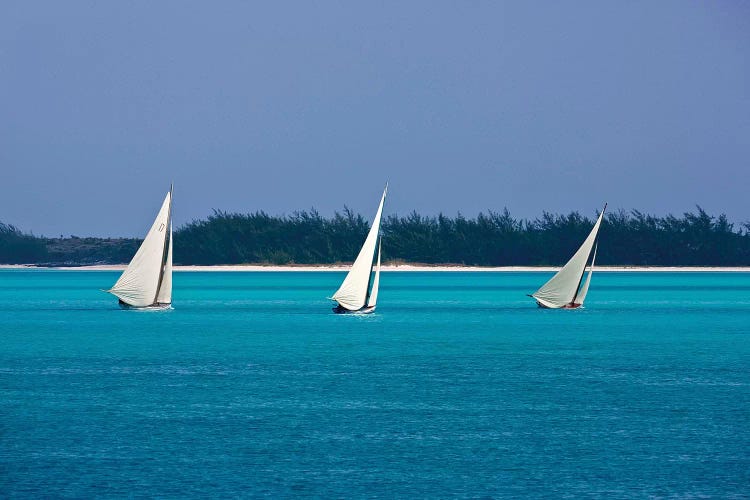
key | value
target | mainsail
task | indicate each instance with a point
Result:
(165, 290)
(585, 288)
(562, 289)
(148, 278)
(352, 294)
(372, 301)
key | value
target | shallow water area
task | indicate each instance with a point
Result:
(457, 385)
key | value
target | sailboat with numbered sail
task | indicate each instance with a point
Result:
(566, 289)
(358, 292)
(147, 281)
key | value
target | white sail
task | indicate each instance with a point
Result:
(585, 288)
(373, 300)
(561, 289)
(352, 293)
(165, 290)
(139, 283)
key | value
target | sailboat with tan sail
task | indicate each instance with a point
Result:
(358, 292)
(566, 289)
(147, 281)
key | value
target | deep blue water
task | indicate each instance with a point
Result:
(458, 386)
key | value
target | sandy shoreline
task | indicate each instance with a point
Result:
(387, 268)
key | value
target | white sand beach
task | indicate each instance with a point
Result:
(387, 268)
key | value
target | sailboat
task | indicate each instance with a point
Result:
(147, 281)
(358, 292)
(564, 290)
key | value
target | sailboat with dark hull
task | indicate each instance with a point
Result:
(567, 288)
(358, 292)
(147, 281)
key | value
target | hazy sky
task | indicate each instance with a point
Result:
(462, 106)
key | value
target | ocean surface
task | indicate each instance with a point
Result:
(458, 386)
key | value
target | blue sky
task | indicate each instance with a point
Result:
(462, 106)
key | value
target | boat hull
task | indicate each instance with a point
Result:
(572, 305)
(342, 310)
(152, 307)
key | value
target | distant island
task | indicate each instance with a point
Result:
(490, 239)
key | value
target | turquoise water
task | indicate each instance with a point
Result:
(458, 386)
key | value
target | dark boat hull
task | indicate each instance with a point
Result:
(572, 305)
(342, 310)
(153, 307)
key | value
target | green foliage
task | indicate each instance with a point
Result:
(302, 238)
(696, 239)
(490, 239)
(19, 248)
(82, 251)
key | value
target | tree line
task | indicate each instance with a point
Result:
(489, 239)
